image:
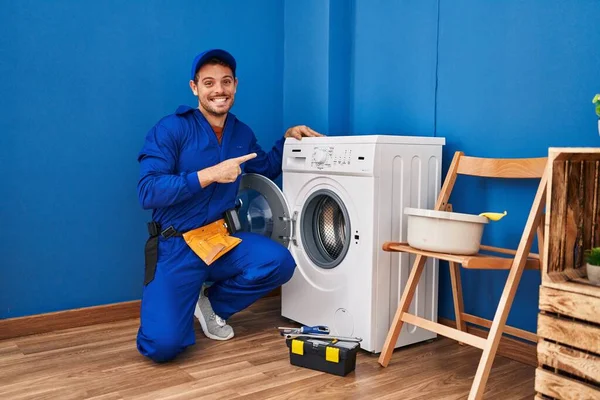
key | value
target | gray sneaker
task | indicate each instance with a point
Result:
(213, 326)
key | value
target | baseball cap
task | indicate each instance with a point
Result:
(207, 55)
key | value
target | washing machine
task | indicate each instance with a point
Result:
(342, 198)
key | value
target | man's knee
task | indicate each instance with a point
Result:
(159, 350)
(287, 265)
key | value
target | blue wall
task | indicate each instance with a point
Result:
(496, 79)
(81, 84)
(514, 78)
(394, 67)
(318, 64)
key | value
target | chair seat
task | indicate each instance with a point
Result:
(475, 261)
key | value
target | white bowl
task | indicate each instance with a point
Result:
(444, 232)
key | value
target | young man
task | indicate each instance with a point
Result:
(191, 164)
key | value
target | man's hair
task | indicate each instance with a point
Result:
(214, 61)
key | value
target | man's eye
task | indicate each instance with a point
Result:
(207, 84)
(227, 82)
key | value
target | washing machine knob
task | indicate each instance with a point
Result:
(320, 156)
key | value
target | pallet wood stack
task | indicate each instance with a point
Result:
(569, 318)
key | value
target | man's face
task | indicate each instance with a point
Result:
(215, 88)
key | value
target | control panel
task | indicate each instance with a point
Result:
(340, 158)
(329, 156)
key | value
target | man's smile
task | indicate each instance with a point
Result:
(219, 99)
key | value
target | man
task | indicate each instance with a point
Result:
(190, 164)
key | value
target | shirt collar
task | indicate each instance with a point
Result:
(183, 109)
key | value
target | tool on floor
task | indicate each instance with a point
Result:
(315, 330)
(325, 337)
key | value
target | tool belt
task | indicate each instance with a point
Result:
(209, 242)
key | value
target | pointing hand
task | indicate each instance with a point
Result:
(228, 170)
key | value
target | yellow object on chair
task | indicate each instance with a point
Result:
(493, 216)
(211, 241)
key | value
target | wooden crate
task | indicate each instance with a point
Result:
(572, 218)
(569, 319)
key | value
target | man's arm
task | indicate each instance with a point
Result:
(159, 185)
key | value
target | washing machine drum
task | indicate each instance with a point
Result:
(325, 229)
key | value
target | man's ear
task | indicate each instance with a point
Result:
(193, 87)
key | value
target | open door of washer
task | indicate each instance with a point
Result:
(263, 209)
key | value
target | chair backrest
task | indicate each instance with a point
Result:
(512, 168)
(501, 167)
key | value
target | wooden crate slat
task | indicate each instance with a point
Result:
(575, 362)
(576, 334)
(590, 221)
(558, 205)
(573, 236)
(561, 387)
(574, 305)
(574, 287)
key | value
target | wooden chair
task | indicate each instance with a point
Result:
(514, 261)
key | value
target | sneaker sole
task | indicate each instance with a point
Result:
(200, 318)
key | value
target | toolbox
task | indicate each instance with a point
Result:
(331, 356)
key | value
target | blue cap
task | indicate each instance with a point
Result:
(207, 55)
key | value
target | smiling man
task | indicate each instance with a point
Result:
(190, 166)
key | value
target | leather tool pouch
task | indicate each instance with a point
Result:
(211, 241)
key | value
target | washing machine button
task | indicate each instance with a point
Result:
(320, 156)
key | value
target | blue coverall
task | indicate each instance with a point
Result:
(176, 148)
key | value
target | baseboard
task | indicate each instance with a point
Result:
(43, 323)
(521, 351)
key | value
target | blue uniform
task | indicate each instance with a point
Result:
(175, 149)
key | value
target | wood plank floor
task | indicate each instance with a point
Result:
(101, 362)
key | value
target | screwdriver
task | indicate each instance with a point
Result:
(313, 330)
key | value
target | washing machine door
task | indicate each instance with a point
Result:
(263, 209)
(325, 228)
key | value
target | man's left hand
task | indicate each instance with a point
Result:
(301, 130)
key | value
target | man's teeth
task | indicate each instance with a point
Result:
(219, 99)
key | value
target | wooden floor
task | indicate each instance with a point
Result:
(101, 362)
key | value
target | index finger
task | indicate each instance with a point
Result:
(245, 158)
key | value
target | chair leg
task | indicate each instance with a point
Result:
(458, 296)
(405, 301)
(508, 294)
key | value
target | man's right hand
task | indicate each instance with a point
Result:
(224, 172)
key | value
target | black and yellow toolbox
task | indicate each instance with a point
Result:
(327, 355)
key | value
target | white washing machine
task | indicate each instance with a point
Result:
(343, 196)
